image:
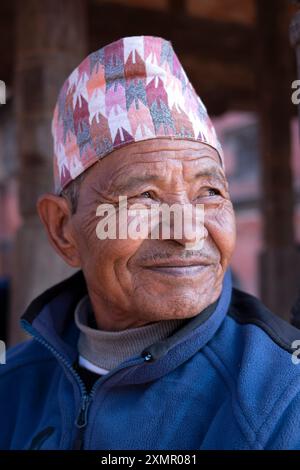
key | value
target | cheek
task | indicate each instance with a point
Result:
(106, 260)
(220, 223)
(117, 250)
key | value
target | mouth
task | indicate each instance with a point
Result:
(179, 268)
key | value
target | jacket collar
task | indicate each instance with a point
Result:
(50, 319)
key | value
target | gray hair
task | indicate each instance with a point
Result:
(71, 192)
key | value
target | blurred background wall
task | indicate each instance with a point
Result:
(238, 57)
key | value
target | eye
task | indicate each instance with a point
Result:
(213, 192)
(208, 192)
(146, 194)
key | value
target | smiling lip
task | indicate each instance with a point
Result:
(179, 268)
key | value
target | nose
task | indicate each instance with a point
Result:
(186, 225)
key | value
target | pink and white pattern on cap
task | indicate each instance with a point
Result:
(130, 90)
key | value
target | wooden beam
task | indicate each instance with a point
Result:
(226, 42)
(219, 89)
(177, 6)
(218, 57)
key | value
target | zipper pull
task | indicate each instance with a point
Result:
(147, 356)
(81, 420)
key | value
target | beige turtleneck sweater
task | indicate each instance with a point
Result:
(107, 349)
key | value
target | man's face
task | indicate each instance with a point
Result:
(135, 282)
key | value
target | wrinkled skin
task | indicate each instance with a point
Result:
(125, 292)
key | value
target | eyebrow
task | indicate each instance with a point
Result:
(134, 182)
(214, 173)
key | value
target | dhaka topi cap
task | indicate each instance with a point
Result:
(130, 90)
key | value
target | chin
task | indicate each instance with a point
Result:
(163, 297)
(180, 306)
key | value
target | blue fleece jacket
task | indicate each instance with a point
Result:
(224, 380)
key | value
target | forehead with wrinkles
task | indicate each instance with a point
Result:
(157, 162)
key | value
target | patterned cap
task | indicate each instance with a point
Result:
(130, 90)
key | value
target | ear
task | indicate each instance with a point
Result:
(56, 215)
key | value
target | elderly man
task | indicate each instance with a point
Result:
(147, 346)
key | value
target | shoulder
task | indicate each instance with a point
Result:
(23, 357)
(26, 377)
(253, 351)
(251, 328)
(27, 382)
(246, 309)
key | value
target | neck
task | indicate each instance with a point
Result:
(107, 349)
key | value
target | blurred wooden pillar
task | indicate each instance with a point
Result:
(50, 41)
(279, 260)
(295, 42)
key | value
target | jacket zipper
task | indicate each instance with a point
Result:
(82, 421)
(86, 398)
